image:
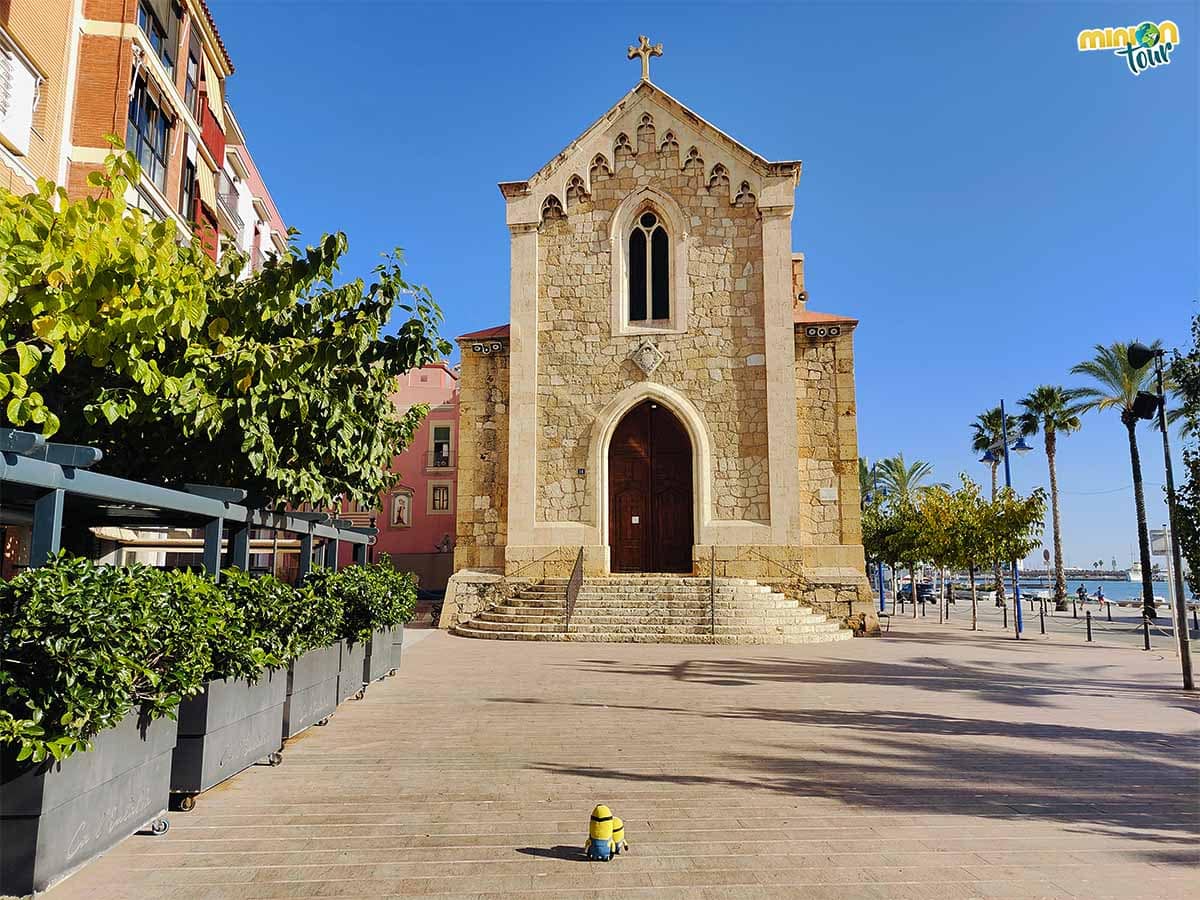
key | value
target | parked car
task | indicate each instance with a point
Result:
(925, 593)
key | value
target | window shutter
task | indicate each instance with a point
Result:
(6, 81)
(207, 185)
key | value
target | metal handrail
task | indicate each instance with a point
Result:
(574, 583)
(804, 579)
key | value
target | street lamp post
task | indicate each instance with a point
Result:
(878, 562)
(1138, 355)
(1018, 624)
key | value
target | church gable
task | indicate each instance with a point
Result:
(647, 120)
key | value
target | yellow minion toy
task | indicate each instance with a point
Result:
(599, 844)
(618, 839)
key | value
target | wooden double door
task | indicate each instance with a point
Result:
(650, 492)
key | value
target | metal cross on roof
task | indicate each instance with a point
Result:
(645, 51)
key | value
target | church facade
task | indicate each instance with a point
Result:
(662, 399)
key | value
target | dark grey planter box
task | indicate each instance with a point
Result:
(397, 645)
(226, 729)
(350, 676)
(54, 818)
(379, 655)
(312, 689)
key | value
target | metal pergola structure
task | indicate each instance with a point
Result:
(52, 481)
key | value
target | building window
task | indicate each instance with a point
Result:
(191, 85)
(187, 191)
(439, 498)
(19, 88)
(147, 132)
(160, 33)
(649, 269)
(401, 510)
(440, 458)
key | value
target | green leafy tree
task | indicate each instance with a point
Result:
(280, 383)
(1185, 373)
(1114, 385)
(1052, 410)
(94, 284)
(987, 431)
(937, 519)
(969, 540)
(1015, 524)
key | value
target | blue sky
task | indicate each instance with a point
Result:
(989, 201)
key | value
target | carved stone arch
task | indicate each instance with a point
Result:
(622, 149)
(693, 164)
(620, 224)
(669, 143)
(718, 179)
(552, 209)
(745, 196)
(605, 424)
(577, 191)
(646, 134)
(599, 168)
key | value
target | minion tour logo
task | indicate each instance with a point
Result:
(1144, 46)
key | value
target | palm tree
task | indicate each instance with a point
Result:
(1115, 385)
(901, 480)
(1052, 410)
(986, 432)
(904, 483)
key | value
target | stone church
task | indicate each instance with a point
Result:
(662, 401)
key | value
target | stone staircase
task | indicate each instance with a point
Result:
(663, 609)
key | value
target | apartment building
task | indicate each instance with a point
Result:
(152, 73)
(416, 517)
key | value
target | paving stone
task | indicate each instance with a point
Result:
(924, 765)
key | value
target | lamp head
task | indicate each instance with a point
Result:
(1021, 447)
(1138, 355)
(1145, 405)
(988, 458)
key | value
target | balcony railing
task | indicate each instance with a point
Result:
(439, 459)
(227, 197)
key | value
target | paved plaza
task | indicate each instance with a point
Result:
(931, 763)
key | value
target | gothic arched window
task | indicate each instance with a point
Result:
(649, 269)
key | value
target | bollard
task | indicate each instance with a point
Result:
(1089, 625)
(1043, 618)
(922, 607)
(1005, 608)
(1195, 622)
(1146, 632)
(1108, 608)
(1074, 610)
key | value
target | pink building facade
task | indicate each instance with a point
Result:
(416, 517)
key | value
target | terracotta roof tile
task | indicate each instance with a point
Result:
(812, 317)
(498, 331)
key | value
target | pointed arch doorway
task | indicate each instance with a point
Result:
(650, 527)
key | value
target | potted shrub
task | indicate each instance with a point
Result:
(237, 720)
(96, 660)
(376, 599)
(312, 675)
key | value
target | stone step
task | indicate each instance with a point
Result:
(763, 601)
(650, 595)
(653, 579)
(669, 627)
(654, 638)
(504, 615)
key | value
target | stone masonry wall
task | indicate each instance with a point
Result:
(718, 364)
(828, 439)
(482, 508)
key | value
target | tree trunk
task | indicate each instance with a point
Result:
(895, 587)
(1060, 578)
(974, 600)
(941, 597)
(912, 581)
(999, 579)
(1139, 500)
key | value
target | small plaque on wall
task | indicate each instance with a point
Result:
(827, 495)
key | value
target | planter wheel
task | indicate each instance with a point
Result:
(323, 722)
(362, 692)
(185, 802)
(275, 758)
(392, 672)
(159, 827)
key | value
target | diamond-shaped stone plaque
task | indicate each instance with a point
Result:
(647, 356)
